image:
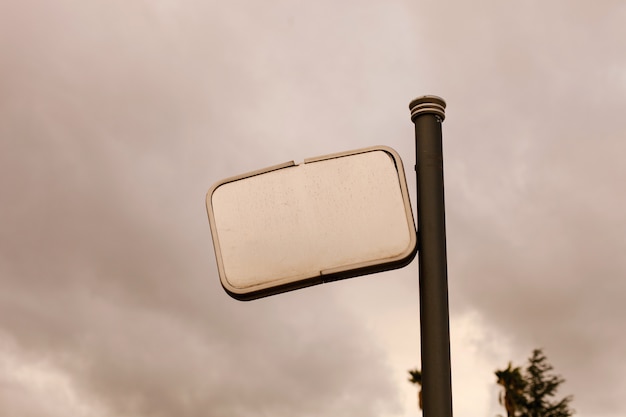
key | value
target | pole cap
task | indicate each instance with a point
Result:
(428, 105)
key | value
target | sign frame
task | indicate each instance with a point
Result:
(323, 275)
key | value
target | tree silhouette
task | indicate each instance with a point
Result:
(530, 394)
(513, 384)
(542, 385)
(416, 378)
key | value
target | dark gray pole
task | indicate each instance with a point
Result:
(428, 113)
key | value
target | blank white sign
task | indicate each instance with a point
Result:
(292, 226)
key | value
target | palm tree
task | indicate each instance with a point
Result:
(416, 378)
(513, 384)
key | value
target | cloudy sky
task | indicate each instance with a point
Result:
(117, 116)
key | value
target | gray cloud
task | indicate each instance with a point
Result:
(115, 119)
(111, 125)
(534, 180)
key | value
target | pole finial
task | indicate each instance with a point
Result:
(428, 104)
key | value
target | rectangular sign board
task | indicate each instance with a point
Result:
(291, 226)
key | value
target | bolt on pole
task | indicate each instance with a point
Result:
(428, 113)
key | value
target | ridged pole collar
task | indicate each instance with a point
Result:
(428, 104)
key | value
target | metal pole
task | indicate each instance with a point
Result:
(427, 113)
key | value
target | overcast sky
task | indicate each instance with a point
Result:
(117, 116)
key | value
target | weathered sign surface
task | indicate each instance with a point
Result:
(292, 226)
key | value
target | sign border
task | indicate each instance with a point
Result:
(328, 275)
